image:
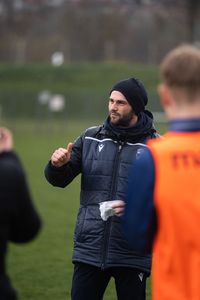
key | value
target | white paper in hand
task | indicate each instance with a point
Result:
(106, 209)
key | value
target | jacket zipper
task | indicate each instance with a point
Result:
(112, 193)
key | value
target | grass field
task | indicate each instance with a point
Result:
(42, 269)
(84, 86)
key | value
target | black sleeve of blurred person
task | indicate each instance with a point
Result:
(18, 214)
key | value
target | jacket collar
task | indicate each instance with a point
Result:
(143, 129)
(188, 125)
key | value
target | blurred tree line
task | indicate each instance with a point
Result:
(95, 30)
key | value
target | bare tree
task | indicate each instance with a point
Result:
(192, 8)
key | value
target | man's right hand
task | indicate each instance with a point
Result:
(61, 156)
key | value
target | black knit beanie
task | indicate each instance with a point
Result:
(134, 92)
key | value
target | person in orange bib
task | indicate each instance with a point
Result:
(162, 212)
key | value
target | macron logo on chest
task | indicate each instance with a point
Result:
(101, 147)
(101, 143)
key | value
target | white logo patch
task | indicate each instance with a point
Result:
(101, 147)
(139, 152)
(141, 276)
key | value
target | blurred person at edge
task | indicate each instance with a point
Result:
(165, 208)
(103, 154)
(19, 221)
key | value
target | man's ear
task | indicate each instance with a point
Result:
(164, 95)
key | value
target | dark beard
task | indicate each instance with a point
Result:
(125, 120)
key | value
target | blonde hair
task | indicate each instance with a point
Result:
(181, 69)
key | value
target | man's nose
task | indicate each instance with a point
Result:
(114, 106)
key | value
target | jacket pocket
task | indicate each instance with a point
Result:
(89, 226)
(80, 224)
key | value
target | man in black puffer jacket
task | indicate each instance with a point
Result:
(103, 154)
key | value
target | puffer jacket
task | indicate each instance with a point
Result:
(103, 155)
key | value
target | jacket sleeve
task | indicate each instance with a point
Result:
(139, 219)
(62, 176)
(24, 221)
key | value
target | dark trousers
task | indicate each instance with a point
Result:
(89, 282)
